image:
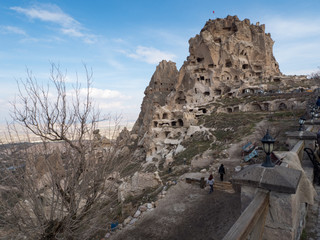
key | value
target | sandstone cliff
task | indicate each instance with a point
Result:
(162, 83)
(228, 59)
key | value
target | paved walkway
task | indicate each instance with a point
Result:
(312, 229)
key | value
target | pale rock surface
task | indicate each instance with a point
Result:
(137, 184)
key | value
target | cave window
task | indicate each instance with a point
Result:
(217, 91)
(180, 122)
(245, 66)
(228, 63)
(195, 90)
(276, 80)
(155, 83)
(155, 124)
(210, 66)
(206, 93)
(282, 106)
(201, 77)
(200, 60)
(236, 109)
(228, 78)
(174, 123)
(203, 110)
(229, 110)
(165, 116)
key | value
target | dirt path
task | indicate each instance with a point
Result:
(187, 212)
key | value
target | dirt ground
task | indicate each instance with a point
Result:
(187, 212)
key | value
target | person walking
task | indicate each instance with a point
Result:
(222, 172)
(210, 181)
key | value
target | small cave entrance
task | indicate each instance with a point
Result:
(236, 109)
(217, 91)
(165, 116)
(203, 110)
(228, 63)
(229, 110)
(180, 122)
(199, 60)
(282, 107)
(201, 77)
(155, 124)
(207, 93)
(173, 123)
(276, 80)
(217, 40)
(256, 107)
(245, 66)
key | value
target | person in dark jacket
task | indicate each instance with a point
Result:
(318, 102)
(221, 171)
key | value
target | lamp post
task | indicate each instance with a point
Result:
(267, 144)
(301, 122)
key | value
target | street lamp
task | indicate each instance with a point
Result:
(267, 144)
(301, 122)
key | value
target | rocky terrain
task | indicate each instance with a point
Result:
(191, 121)
(230, 82)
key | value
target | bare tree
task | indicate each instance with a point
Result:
(315, 75)
(63, 187)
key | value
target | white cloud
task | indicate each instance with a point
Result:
(12, 29)
(53, 14)
(284, 28)
(297, 45)
(150, 55)
(105, 94)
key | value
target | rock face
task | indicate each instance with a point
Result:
(162, 83)
(228, 58)
(227, 54)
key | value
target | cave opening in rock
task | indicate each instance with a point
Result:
(180, 122)
(165, 116)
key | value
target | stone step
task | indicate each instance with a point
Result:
(223, 186)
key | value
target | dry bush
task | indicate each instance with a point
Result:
(62, 187)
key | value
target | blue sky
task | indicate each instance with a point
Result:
(123, 41)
